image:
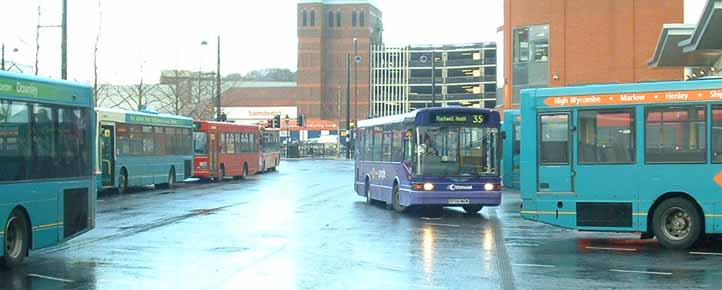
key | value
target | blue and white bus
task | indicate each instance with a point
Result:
(143, 148)
(47, 165)
(511, 147)
(641, 157)
(432, 157)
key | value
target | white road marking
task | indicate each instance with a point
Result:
(442, 225)
(430, 218)
(706, 253)
(51, 278)
(641, 272)
(534, 265)
(612, 249)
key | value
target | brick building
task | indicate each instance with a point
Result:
(328, 32)
(550, 43)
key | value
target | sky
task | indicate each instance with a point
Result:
(139, 38)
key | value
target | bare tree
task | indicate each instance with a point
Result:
(187, 93)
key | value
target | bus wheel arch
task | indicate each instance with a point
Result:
(678, 200)
(21, 213)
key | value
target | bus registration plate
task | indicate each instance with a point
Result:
(458, 201)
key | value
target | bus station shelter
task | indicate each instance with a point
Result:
(697, 47)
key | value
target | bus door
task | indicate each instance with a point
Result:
(556, 171)
(213, 148)
(107, 154)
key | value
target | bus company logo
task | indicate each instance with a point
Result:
(377, 174)
(26, 89)
(454, 187)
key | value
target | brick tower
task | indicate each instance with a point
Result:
(326, 32)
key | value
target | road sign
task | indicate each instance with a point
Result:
(358, 59)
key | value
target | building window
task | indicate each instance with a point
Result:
(305, 18)
(521, 45)
(531, 43)
(313, 17)
(676, 135)
(539, 36)
(362, 18)
(606, 136)
(554, 139)
(354, 15)
(338, 19)
(330, 19)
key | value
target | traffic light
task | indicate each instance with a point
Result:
(301, 121)
(277, 121)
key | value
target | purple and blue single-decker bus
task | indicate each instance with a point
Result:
(435, 157)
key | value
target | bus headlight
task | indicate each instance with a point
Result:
(489, 187)
(428, 186)
(202, 165)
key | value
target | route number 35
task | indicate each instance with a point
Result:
(478, 119)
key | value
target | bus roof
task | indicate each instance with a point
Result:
(423, 116)
(625, 94)
(28, 87)
(134, 117)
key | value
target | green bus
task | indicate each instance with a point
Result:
(47, 163)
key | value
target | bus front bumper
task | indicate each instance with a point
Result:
(454, 198)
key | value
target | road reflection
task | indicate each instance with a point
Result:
(51, 274)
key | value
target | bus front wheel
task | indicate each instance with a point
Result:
(677, 223)
(17, 239)
(471, 209)
(396, 199)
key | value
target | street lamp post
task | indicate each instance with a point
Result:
(423, 59)
(348, 105)
(218, 79)
(64, 43)
(433, 78)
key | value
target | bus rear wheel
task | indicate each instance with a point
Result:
(677, 223)
(472, 208)
(123, 181)
(396, 199)
(17, 239)
(367, 189)
(171, 178)
(245, 171)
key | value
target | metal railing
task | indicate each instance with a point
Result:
(311, 150)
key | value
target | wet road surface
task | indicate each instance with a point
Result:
(304, 228)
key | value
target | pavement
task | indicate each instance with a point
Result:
(303, 227)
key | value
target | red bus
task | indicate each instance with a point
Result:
(225, 150)
(270, 149)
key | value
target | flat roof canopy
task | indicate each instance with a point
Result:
(689, 45)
